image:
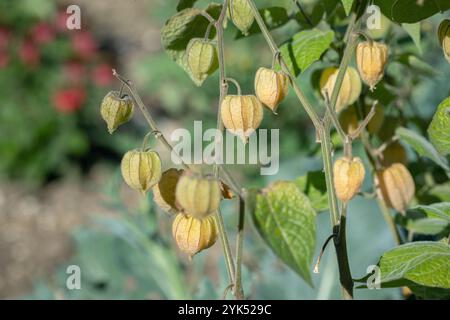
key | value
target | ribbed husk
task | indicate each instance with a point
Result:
(271, 87)
(197, 195)
(350, 89)
(141, 170)
(444, 37)
(201, 58)
(241, 115)
(164, 190)
(396, 186)
(241, 14)
(116, 110)
(371, 58)
(394, 153)
(194, 235)
(348, 177)
(350, 122)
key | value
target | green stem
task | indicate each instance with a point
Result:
(389, 220)
(238, 290)
(223, 92)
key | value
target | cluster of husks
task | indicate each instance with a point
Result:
(444, 37)
(371, 58)
(116, 109)
(240, 12)
(348, 177)
(201, 58)
(350, 89)
(396, 186)
(193, 198)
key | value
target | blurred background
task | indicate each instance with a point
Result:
(62, 199)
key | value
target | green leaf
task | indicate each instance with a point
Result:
(313, 185)
(274, 17)
(181, 28)
(347, 6)
(441, 191)
(411, 11)
(439, 129)
(416, 64)
(413, 29)
(184, 4)
(424, 263)
(439, 210)
(422, 146)
(285, 218)
(305, 48)
(427, 226)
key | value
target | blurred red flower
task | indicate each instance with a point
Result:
(29, 53)
(69, 100)
(43, 33)
(84, 44)
(102, 75)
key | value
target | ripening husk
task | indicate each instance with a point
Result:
(201, 58)
(394, 153)
(197, 195)
(349, 121)
(241, 115)
(271, 87)
(116, 110)
(164, 190)
(241, 14)
(350, 89)
(194, 235)
(348, 177)
(371, 58)
(444, 37)
(141, 170)
(396, 186)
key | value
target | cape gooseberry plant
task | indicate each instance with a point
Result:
(354, 104)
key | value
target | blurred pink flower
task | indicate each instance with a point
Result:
(74, 72)
(84, 44)
(69, 100)
(5, 36)
(29, 53)
(4, 59)
(43, 33)
(102, 75)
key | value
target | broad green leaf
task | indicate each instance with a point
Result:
(305, 48)
(314, 186)
(427, 226)
(439, 210)
(416, 64)
(274, 17)
(441, 191)
(347, 6)
(411, 11)
(181, 28)
(424, 263)
(439, 129)
(184, 4)
(430, 293)
(286, 220)
(413, 29)
(422, 146)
